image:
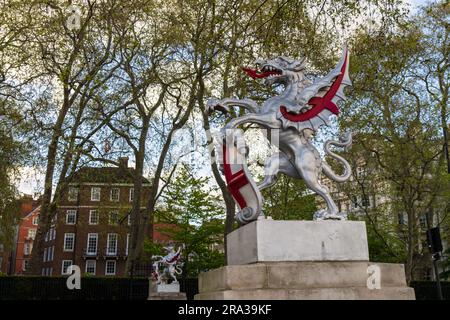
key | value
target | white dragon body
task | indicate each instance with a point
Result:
(170, 262)
(296, 114)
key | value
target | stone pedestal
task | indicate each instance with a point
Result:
(165, 292)
(293, 260)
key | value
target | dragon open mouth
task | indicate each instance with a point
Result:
(266, 71)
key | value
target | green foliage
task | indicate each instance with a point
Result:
(289, 199)
(197, 218)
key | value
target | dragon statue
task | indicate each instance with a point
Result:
(170, 262)
(296, 114)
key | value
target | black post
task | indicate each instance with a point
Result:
(435, 255)
(131, 280)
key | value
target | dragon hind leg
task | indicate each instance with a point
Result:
(278, 162)
(310, 175)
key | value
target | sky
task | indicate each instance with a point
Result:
(30, 180)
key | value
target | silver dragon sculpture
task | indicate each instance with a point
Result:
(296, 114)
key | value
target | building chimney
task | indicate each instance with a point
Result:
(123, 162)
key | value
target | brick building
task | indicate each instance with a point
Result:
(14, 258)
(91, 228)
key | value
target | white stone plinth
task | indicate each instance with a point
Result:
(282, 241)
(173, 287)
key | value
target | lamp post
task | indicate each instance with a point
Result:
(435, 246)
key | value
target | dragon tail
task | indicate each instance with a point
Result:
(344, 141)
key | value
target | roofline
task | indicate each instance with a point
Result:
(32, 211)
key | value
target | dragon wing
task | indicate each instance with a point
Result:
(323, 95)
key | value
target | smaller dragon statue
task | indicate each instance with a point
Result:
(170, 263)
(296, 115)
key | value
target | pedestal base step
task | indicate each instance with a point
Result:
(305, 280)
(167, 296)
(388, 293)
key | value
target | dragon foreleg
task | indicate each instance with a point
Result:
(224, 105)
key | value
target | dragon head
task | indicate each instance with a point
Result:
(281, 70)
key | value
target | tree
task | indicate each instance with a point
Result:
(289, 199)
(398, 135)
(194, 210)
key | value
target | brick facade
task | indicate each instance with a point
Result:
(96, 206)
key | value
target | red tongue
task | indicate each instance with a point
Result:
(255, 75)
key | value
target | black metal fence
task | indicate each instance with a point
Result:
(54, 288)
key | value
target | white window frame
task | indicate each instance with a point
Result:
(95, 193)
(131, 194)
(27, 248)
(90, 217)
(32, 233)
(24, 264)
(35, 220)
(111, 195)
(71, 213)
(89, 236)
(127, 244)
(66, 235)
(62, 266)
(129, 219)
(106, 268)
(73, 194)
(109, 242)
(94, 264)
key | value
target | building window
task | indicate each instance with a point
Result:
(71, 216)
(50, 271)
(129, 219)
(25, 265)
(53, 234)
(365, 201)
(90, 267)
(31, 234)
(401, 219)
(423, 221)
(69, 241)
(355, 202)
(115, 194)
(93, 217)
(27, 248)
(55, 217)
(35, 220)
(112, 244)
(113, 217)
(110, 269)
(92, 242)
(73, 194)
(131, 194)
(127, 244)
(95, 193)
(45, 255)
(65, 265)
(50, 253)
